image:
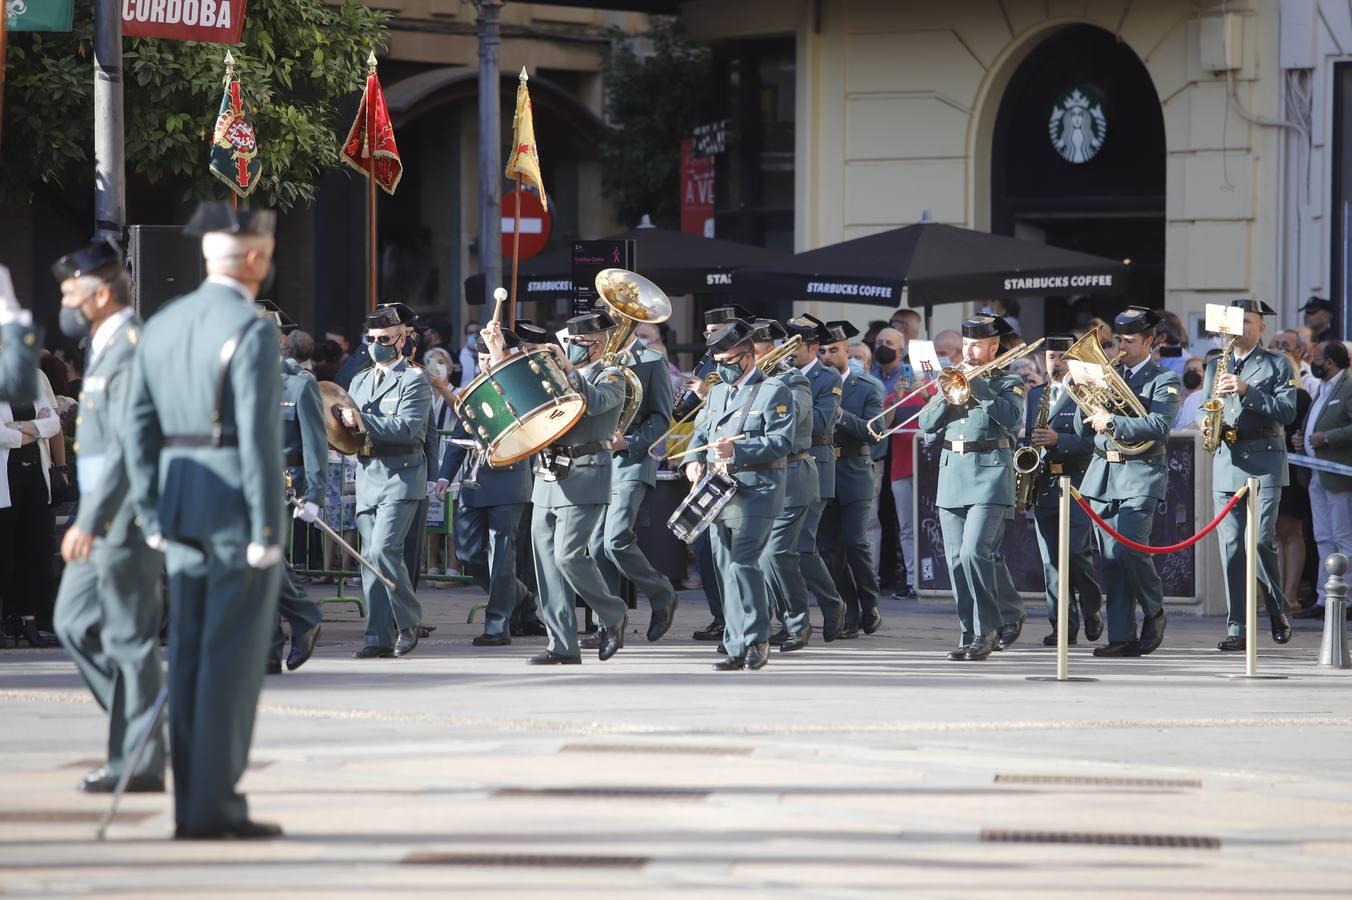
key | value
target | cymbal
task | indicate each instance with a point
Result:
(341, 438)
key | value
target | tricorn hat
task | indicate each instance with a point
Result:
(510, 339)
(1254, 306)
(589, 323)
(1135, 319)
(722, 315)
(985, 325)
(89, 259)
(812, 329)
(729, 336)
(530, 333)
(767, 330)
(841, 331)
(1059, 340)
(216, 216)
(388, 315)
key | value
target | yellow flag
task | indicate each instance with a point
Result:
(525, 159)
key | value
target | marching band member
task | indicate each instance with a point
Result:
(976, 483)
(1126, 489)
(1065, 453)
(748, 421)
(1258, 393)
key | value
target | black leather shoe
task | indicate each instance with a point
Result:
(302, 648)
(980, 648)
(274, 667)
(873, 620)
(425, 630)
(533, 627)
(711, 632)
(1006, 635)
(1050, 640)
(757, 655)
(780, 637)
(101, 781)
(796, 641)
(1281, 627)
(661, 621)
(374, 653)
(848, 632)
(550, 658)
(1119, 649)
(248, 830)
(958, 654)
(407, 640)
(612, 639)
(1313, 611)
(591, 640)
(492, 640)
(1233, 643)
(831, 623)
(731, 664)
(1152, 633)
(1093, 627)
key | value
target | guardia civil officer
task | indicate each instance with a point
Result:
(861, 399)
(489, 507)
(108, 609)
(1258, 395)
(748, 425)
(204, 454)
(1125, 486)
(1065, 453)
(19, 343)
(826, 393)
(572, 487)
(976, 482)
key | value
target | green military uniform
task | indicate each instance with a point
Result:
(861, 400)
(826, 391)
(781, 560)
(1253, 445)
(305, 449)
(109, 608)
(204, 455)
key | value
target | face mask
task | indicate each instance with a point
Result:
(381, 353)
(74, 324)
(885, 356)
(440, 369)
(1319, 370)
(578, 353)
(730, 372)
(856, 366)
(1192, 380)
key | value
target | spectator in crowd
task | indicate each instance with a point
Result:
(948, 347)
(1194, 370)
(889, 363)
(437, 363)
(300, 346)
(1007, 310)
(1029, 368)
(1170, 342)
(1319, 319)
(908, 322)
(328, 356)
(469, 357)
(870, 337)
(73, 357)
(860, 361)
(1293, 510)
(344, 344)
(900, 475)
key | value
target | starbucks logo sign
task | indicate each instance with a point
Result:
(1078, 125)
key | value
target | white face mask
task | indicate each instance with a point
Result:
(440, 369)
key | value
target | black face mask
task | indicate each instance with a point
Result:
(1319, 370)
(1192, 380)
(885, 356)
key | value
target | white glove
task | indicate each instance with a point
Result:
(155, 541)
(260, 557)
(307, 513)
(442, 487)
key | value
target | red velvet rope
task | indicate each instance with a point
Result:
(1172, 548)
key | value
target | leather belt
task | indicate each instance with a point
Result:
(391, 450)
(962, 446)
(201, 440)
(857, 450)
(760, 467)
(823, 440)
(1238, 435)
(1114, 456)
(577, 451)
(799, 456)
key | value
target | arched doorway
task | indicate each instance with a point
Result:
(1078, 160)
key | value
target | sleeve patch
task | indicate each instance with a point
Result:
(781, 409)
(1172, 390)
(836, 391)
(1017, 390)
(1295, 382)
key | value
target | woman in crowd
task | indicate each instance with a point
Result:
(438, 363)
(1293, 510)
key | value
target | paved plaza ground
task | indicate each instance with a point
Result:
(864, 767)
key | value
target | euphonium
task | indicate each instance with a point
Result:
(1115, 396)
(1028, 461)
(1213, 425)
(632, 300)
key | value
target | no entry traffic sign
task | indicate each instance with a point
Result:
(535, 224)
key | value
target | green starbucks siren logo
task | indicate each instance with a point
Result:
(1078, 126)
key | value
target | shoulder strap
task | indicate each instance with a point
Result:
(750, 402)
(222, 375)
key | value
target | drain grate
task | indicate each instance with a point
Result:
(70, 816)
(1169, 841)
(1092, 781)
(524, 861)
(604, 793)
(664, 749)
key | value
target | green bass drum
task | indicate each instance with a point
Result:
(522, 406)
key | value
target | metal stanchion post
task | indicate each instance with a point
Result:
(1333, 651)
(1062, 589)
(1251, 587)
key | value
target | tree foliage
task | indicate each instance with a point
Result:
(297, 61)
(653, 102)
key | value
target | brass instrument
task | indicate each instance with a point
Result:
(632, 300)
(955, 382)
(1213, 424)
(1115, 396)
(1029, 460)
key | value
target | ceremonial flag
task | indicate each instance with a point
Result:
(525, 160)
(370, 143)
(234, 146)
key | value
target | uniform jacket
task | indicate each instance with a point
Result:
(1269, 404)
(227, 495)
(1134, 476)
(497, 486)
(800, 476)
(991, 413)
(304, 441)
(1335, 421)
(588, 480)
(861, 399)
(99, 430)
(762, 410)
(394, 414)
(826, 392)
(19, 361)
(653, 417)
(1071, 454)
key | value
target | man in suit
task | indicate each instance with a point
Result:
(1064, 453)
(846, 544)
(826, 391)
(19, 344)
(748, 427)
(394, 408)
(1258, 395)
(1126, 486)
(488, 515)
(109, 607)
(976, 483)
(1328, 435)
(572, 487)
(204, 454)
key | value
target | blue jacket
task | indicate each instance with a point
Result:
(826, 392)
(497, 487)
(1071, 454)
(861, 399)
(304, 442)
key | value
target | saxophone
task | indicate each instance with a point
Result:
(1028, 461)
(1213, 425)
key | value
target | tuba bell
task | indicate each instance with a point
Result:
(1114, 396)
(631, 300)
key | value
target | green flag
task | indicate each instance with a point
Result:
(234, 147)
(39, 15)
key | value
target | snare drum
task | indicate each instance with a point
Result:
(522, 406)
(698, 511)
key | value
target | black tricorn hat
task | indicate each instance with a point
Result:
(388, 315)
(767, 330)
(589, 323)
(1315, 304)
(510, 339)
(722, 315)
(1135, 319)
(97, 255)
(729, 336)
(530, 333)
(216, 216)
(1059, 340)
(985, 325)
(812, 329)
(1254, 306)
(841, 331)
(268, 309)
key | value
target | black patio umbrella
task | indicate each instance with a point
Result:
(938, 264)
(678, 263)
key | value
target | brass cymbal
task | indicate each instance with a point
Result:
(341, 438)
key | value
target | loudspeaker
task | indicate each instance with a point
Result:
(165, 263)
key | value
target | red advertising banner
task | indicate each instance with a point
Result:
(212, 21)
(697, 192)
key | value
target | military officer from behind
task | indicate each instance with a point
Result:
(1125, 485)
(204, 453)
(976, 482)
(19, 344)
(1258, 397)
(108, 609)
(1065, 453)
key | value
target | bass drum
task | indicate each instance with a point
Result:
(698, 511)
(520, 407)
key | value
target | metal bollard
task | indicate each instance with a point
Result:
(1333, 652)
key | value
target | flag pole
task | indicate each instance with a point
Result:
(229, 74)
(516, 254)
(370, 193)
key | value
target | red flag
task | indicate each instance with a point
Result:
(370, 144)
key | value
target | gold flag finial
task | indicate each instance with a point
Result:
(524, 77)
(229, 60)
(371, 62)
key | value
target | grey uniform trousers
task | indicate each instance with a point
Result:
(783, 564)
(1231, 532)
(563, 570)
(485, 542)
(614, 546)
(746, 599)
(383, 530)
(971, 536)
(1129, 574)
